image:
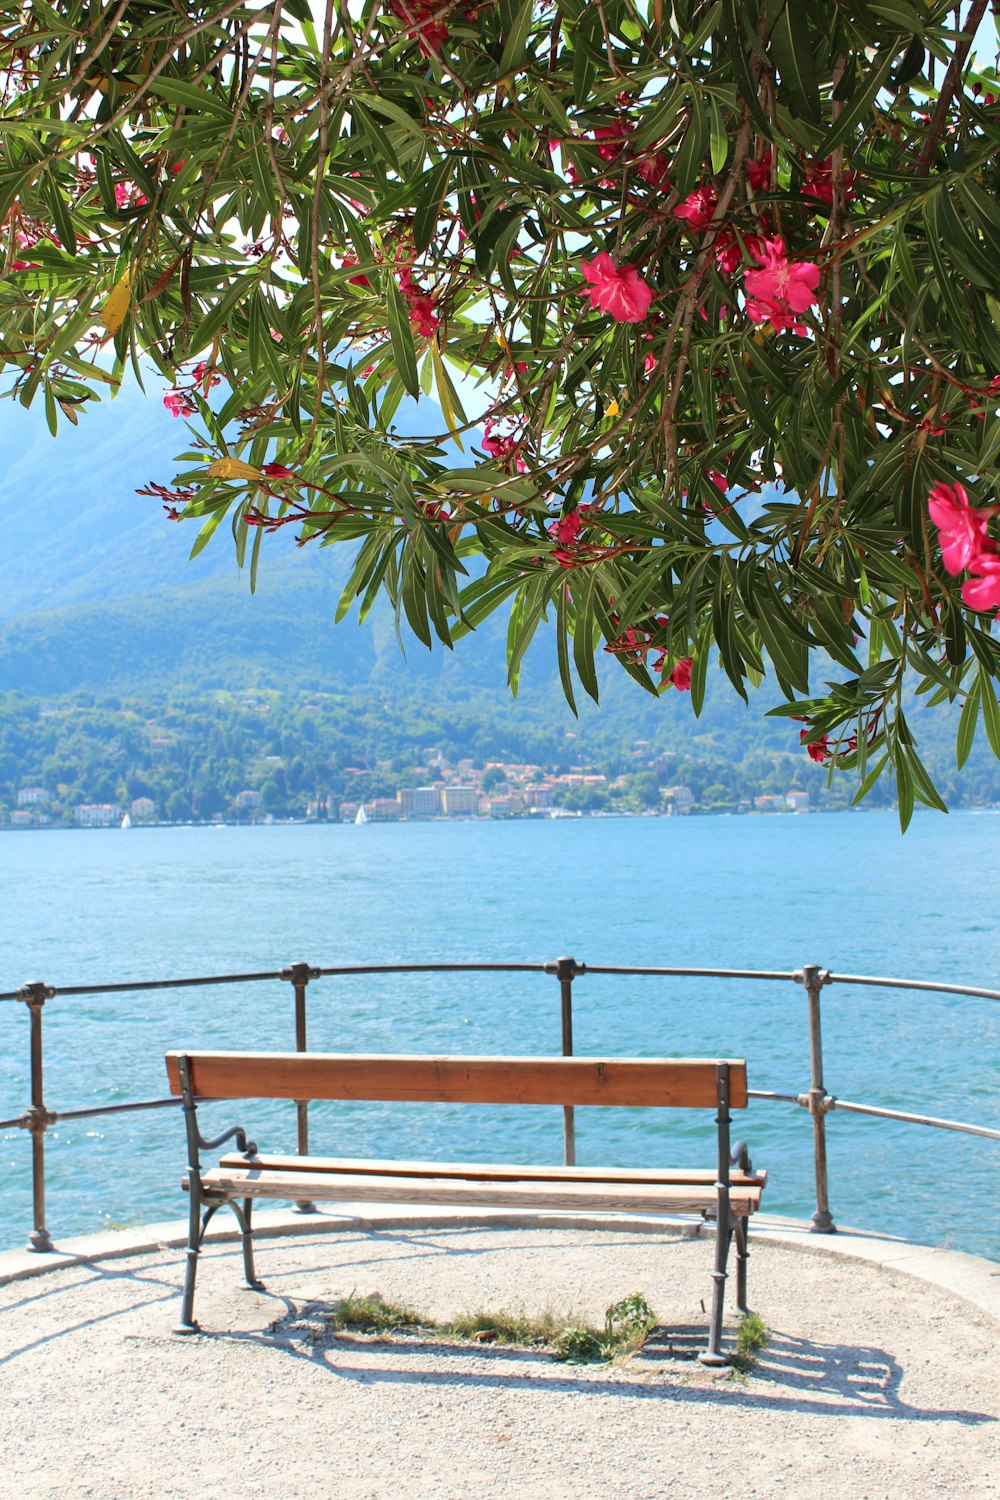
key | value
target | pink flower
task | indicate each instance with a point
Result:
(819, 182)
(179, 404)
(779, 287)
(982, 592)
(278, 471)
(361, 279)
(681, 674)
(417, 17)
(654, 170)
(759, 171)
(618, 290)
(423, 318)
(698, 207)
(819, 750)
(613, 139)
(728, 251)
(566, 533)
(962, 528)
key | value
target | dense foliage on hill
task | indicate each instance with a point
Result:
(193, 751)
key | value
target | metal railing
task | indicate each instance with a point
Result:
(37, 1118)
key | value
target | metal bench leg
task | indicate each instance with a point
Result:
(195, 1232)
(243, 1214)
(742, 1256)
(713, 1354)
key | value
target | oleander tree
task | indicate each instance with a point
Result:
(699, 303)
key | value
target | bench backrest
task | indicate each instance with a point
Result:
(677, 1082)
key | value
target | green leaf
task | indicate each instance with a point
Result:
(719, 136)
(429, 202)
(991, 712)
(869, 781)
(401, 335)
(904, 788)
(517, 39)
(197, 98)
(967, 723)
(792, 50)
(562, 647)
(858, 107)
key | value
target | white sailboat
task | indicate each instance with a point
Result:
(361, 816)
(126, 821)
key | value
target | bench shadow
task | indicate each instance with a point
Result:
(791, 1375)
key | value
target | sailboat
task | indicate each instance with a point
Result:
(361, 816)
(126, 821)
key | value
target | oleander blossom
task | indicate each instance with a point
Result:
(680, 675)
(698, 208)
(423, 22)
(617, 290)
(779, 288)
(817, 750)
(961, 527)
(982, 591)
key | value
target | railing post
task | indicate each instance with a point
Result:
(37, 1119)
(812, 977)
(299, 976)
(566, 970)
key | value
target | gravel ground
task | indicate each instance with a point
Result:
(872, 1386)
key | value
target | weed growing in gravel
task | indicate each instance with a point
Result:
(374, 1315)
(751, 1336)
(627, 1325)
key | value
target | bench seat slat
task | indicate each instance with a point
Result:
(611, 1197)
(491, 1171)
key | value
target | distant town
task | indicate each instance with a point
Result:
(497, 790)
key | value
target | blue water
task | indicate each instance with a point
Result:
(845, 892)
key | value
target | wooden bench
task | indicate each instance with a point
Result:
(728, 1192)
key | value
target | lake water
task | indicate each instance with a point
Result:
(844, 891)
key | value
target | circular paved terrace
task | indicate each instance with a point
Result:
(881, 1377)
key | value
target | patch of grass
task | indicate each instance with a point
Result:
(627, 1325)
(751, 1336)
(503, 1327)
(374, 1315)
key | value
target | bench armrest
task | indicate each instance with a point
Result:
(235, 1132)
(740, 1157)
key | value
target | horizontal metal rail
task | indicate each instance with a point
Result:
(897, 1114)
(208, 980)
(56, 1117)
(914, 984)
(346, 970)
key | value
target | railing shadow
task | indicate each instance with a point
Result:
(792, 1374)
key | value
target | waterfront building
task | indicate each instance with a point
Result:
(98, 814)
(382, 810)
(461, 801)
(419, 801)
(32, 796)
